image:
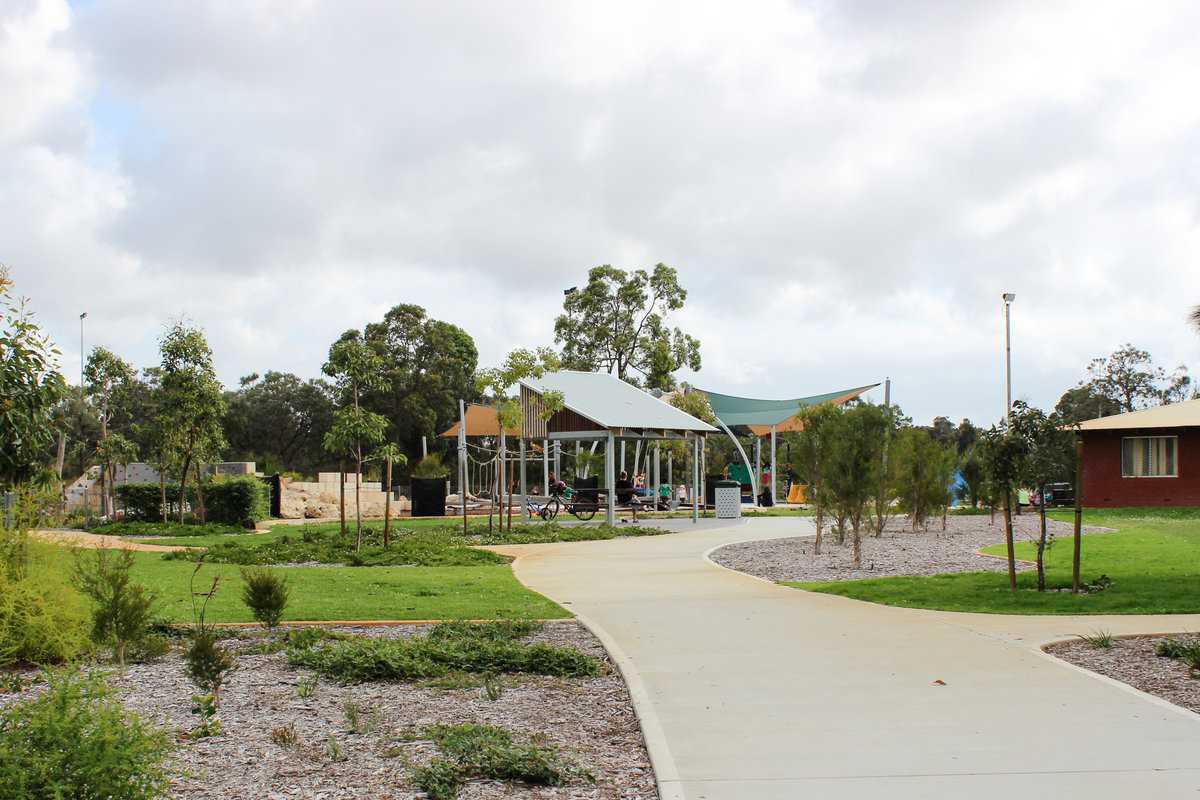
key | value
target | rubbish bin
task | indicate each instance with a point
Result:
(728, 499)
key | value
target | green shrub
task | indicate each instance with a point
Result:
(362, 659)
(241, 500)
(122, 609)
(502, 630)
(425, 548)
(489, 753)
(43, 619)
(207, 663)
(265, 592)
(431, 466)
(172, 529)
(143, 501)
(76, 741)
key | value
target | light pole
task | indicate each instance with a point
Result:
(82, 359)
(1008, 298)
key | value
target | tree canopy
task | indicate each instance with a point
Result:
(618, 323)
(279, 420)
(31, 387)
(426, 366)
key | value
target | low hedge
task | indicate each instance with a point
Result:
(241, 500)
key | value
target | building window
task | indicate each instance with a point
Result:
(1149, 457)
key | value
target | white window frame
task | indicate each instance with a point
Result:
(1174, 474)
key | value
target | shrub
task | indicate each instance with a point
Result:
(143, 501)
(121, 613)
(491, 753)
(361, 659)
(43, 619)
(173, 529)
(1101, 640)
(266, 593)
(74, 740)
(284, 736)
(431, 466)
(207, 663)
(241, 500)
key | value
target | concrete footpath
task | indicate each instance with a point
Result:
(751, 690)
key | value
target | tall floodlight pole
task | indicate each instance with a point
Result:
(462, 461)
(1008, 299)
(82, 358)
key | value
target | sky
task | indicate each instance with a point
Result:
(846, 188)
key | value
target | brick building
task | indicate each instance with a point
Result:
(1143, 458)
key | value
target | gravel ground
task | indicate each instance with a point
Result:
(898, 552)
(591, 720)
(1132, 661)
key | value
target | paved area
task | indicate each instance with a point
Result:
(95, 541)
(754, 691)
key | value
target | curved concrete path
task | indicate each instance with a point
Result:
(753, 691)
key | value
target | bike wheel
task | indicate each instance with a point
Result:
(552, 509)
(585, 513)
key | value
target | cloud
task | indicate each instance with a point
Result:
(846, 189)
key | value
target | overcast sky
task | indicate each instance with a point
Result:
(846, 188)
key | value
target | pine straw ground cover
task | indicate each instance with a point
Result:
(1135, 661)
(287, 732)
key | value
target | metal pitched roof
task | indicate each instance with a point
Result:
(753, 412)
(1176, 415)
(613, 403)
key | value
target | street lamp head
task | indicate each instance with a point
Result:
(84, 314)
(571, 291)
(1008, 297)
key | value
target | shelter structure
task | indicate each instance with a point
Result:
(1143, 458)
(599, 407)
(767, 418)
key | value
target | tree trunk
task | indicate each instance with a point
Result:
(1008, 540)
(387, 504)
(1041, 547)
(200, 510)
(1078, 513)
(945, 511)
(60, 463)
(820, 523)
(856, 560)
(162, 491)
(187, 463)
(342, 494)
(508, 486)
(992, 513)
(103, 493)
(357, 499)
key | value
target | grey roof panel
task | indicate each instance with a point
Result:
(614, 403)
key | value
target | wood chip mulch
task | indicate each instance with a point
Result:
(899, 551)
(1132, 660)
(591, 720)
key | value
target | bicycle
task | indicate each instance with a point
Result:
(583, 510)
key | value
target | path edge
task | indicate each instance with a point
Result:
(666, 773)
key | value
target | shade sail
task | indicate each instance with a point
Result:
(612, 403)
(759, 415)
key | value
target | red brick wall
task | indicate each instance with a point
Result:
(1103, 485)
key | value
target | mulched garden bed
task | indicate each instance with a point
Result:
(1133, 661)
(899, 551)
(591, 720)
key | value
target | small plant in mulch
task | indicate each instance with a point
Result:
(306, 687)
(206, 663)
(334, 750)
(358, 719)
(490, 753)
(1187, 652)
(1101, 640)
(284, 735)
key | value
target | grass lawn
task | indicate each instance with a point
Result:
(1153, 560)
(332, 593)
